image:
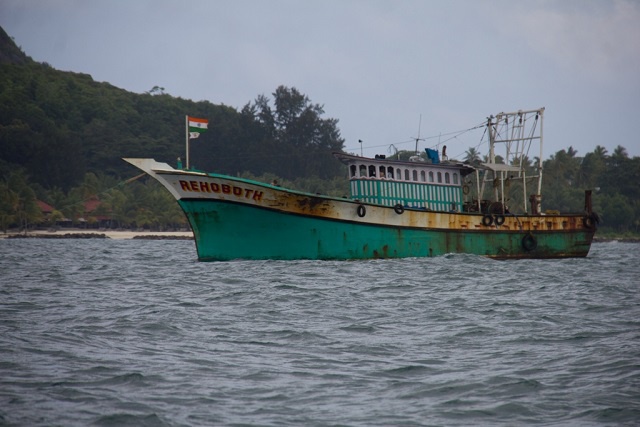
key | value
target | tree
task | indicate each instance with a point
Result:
(156, 90)
(592, 168)
(8, 206)
(299, 141)
(617, 213)
(563, 167)
(18, 203)
(472, 156)
(619, 154)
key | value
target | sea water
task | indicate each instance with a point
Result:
(139, 333)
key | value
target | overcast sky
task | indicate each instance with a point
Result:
(383, 68)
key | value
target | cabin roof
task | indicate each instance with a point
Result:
(348, 159)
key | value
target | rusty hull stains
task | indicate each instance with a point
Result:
(307, 205)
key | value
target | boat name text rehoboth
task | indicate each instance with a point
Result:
(205, 187)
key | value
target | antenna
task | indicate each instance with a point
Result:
(418, 137)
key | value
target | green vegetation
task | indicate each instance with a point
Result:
(62, 137)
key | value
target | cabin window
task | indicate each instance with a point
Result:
(455, 178)
(415, 175)
(353, 170)
(406, 174)
(440, 177)
(372, 171)
(423, 176)
(431, 176)
(383, 174)
(390, 172)
(399, 173)
(363, 171)
(447, 178)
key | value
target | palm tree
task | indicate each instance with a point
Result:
(523, 162)
(592, 168)
(621, 152)
(8, 205)
(600, 152)
(18, 202)
(472, 156)
(617, 158)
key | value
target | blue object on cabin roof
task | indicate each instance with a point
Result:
(433, 156)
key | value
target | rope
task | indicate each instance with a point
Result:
(412, 141)
(484, 125)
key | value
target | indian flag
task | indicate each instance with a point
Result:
(197, 125)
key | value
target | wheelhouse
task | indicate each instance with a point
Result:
(413, 184)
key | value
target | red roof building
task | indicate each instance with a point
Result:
(45, 208)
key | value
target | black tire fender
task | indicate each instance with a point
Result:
(361, 211)
(399, 209)
(487, 220)
(498, 219)
(588, 222)
(529, 242)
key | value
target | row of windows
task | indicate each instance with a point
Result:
(409, 175)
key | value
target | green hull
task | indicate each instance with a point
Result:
(225, 231)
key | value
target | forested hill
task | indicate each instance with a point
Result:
(9, 52)
(62, 137)
(58, 126)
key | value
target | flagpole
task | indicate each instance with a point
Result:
(186, 131)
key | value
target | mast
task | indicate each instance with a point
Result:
(541, 114)
(518, 131)
(186, 132)
(493, 130)
(418, 137)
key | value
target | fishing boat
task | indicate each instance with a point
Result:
(425, 206)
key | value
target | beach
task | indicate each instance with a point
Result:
(111, 234)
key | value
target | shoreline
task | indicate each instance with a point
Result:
(171, 235)
(100, 234)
